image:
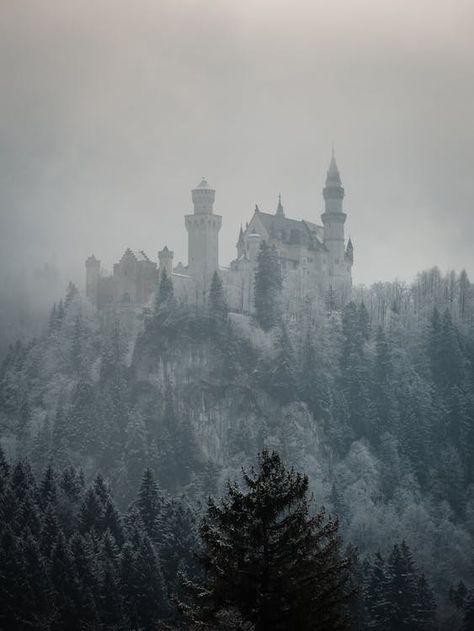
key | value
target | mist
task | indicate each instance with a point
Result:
(112, 111)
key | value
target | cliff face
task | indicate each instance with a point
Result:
(217, 381)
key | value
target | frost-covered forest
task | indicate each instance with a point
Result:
(373, 401)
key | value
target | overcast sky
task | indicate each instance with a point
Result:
(111, 111)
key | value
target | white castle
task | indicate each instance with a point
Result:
(314, 259)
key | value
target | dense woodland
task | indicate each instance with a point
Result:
(373, 400)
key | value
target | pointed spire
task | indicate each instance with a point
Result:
(279, 211)
(257, 209)
(333, 176)
(241, 236)
(333, 191)
(333, 179)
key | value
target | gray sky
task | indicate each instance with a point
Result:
(112, 110)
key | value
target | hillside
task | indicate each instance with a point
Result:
(375, 403)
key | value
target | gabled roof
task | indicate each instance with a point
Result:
(138, 256)
(290, 231)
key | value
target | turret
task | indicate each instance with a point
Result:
(203, 235)
(333, 218)
(165, 257)
(92, 279)
(279, 211)
(203, 198)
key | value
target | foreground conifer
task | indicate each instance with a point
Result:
(266, 558)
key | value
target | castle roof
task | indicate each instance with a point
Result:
(333, 178)
(138, 255)
(203, 184)
(291, 231)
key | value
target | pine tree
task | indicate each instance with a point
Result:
(282, 374)
(37, 589)
(217, 302)
(468, 621)
(50, 530)
(177, 542)
(165, 293)
(376, 594)
(401, 590)
(65, 586)
(47, 487)
(425, 605)
(150, 599)
(11, 580)
(268, 286)
(283, 567)
(149, 504)
(91, 514)
(4, 470)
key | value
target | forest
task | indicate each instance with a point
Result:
(119, 442)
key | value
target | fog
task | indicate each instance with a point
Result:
(111, 111)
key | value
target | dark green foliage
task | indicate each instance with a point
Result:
(80, 568)
(218, 308)
(393, 370)
(468, 620)
(397, 597)
(268, 285)
(283, 567)
(165, 293)
(281, 373)
(149, 504)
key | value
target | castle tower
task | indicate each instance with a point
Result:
(92, 279)
(203, 235)
(165, 257)
(333, 218)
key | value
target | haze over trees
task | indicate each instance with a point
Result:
(375, 403)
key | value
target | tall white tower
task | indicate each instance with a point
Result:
(203, 235)
(333, 218)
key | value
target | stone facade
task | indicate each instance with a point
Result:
(315, 259)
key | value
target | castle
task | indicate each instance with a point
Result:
(315, 259)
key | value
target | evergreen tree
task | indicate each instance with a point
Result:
(149, 504)
(48, 488)
(4, 470)
(65, 586)
(468, 620)
(217, 302)
(425, 605)
(165, 293)
(283, 567)
(91, 514)
(11, 580)
(267, 287)
(282, 373)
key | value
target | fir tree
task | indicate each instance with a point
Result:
(268, 286)
(149, 504)
(468, 620)
(48, 488)
(282, 374)
(217, 302)
(266, 557)
(91, 514)
(165, 293)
